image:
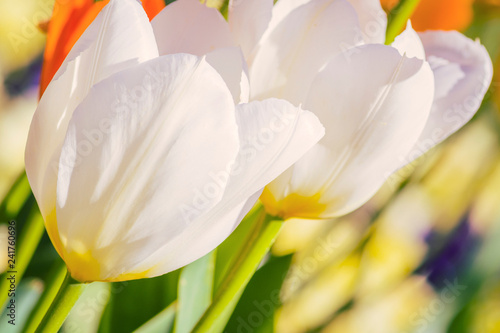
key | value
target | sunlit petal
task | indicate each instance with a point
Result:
(120, 37)
(187, 26)
(248, 20)
(273, 135)
(141, 146)
(462, 73)
(373, 116)
(290, 55)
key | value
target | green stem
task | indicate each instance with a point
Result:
(255, 247)
(398, 17)
(52, 285)
(26, 245)
(67, 296)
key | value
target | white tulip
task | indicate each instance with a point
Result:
(142, 163)
(382, 106)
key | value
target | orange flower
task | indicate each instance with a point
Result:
(153, 7)
(388, 4)
(69, 20)
(439, 14)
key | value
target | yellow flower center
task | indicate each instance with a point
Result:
(82, 264)
(293, 205)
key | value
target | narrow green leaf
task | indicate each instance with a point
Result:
(195, 292)
(163, 322)
(85, 315)
(256, 308)
(50, 288)
(132, 303)
(15, 199)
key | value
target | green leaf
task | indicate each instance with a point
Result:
(256, 308)
(133, 303)
(195, 292)
(163, 322)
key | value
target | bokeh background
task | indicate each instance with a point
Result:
(422, 256)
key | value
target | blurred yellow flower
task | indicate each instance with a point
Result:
(334, 243)
(20, 38)
(326, 294)
(297, 234)
(455, 180)
(397, 246)
(15, 117)
(486, 309)
(401, 309)
(486, 210)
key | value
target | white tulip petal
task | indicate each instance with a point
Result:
(172, 257)
(376, 123)
(120, 37)
(373, 20)
(197, 240)
(231, 65)
(245, 85)
(249, 204)
(296, 192)
(142, 146)
(373, 115)
(462, 72)
(408, 43)
(188, 26)
(248, 20)
(281, 10)
(273, 134)
(279, 188)
(302, 180)
(291, 55)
